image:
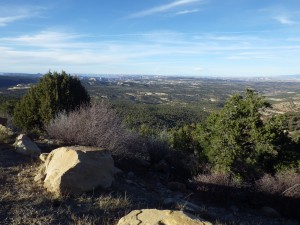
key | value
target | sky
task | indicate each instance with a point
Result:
(161, 37)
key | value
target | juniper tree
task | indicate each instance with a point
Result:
(55, 92)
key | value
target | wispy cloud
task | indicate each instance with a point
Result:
(45, 39)
(4, 21)
(183, 12)
(164, 8)
(12, 13)
(284, 20)
(168, 52)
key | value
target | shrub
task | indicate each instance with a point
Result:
(156, 149)
(5, 134)
(182, 139)
(54, 93)
(217, 178)
(236, 140)
(285, 183)
(95, 125)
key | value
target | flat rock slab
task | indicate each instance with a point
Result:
(160, 217)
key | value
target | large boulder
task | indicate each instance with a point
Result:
(24, 145)
(74, 170)
(160, 217)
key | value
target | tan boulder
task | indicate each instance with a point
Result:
(160, 217)
(24, 145)
(74, 170)
(43, 157)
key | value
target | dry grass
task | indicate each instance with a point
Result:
(108, 202)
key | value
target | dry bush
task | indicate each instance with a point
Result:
(5, 134)
(217, 178)
(286, 183)
(95, 125)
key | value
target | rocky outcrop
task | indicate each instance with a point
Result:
(160, 217)
(24, 145)
(74, 170)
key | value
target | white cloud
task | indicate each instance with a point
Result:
(4, 21)
(10, 14)
(284, 20)
(164, 8)
(171, 52)
(183, 12)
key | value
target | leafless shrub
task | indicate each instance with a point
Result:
(217, 178)
(286, 183)
(95, 125)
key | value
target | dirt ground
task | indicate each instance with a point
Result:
(22, 201)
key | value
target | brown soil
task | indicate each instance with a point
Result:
(22, 201)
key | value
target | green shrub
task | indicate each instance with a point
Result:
(237, 140)
(157, 149)
(53, 94)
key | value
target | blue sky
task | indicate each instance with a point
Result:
(167, 37)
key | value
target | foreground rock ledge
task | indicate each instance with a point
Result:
(76, 169)
(160, 217)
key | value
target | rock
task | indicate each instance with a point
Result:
(24, 145)
(270, 212)
(43, 157)
(74, 170)
(176, 186)
(160, 217)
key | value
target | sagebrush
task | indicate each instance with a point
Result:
(286, 183)
(95, 125)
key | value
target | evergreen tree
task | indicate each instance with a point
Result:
(54, 93)
(237, 140)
